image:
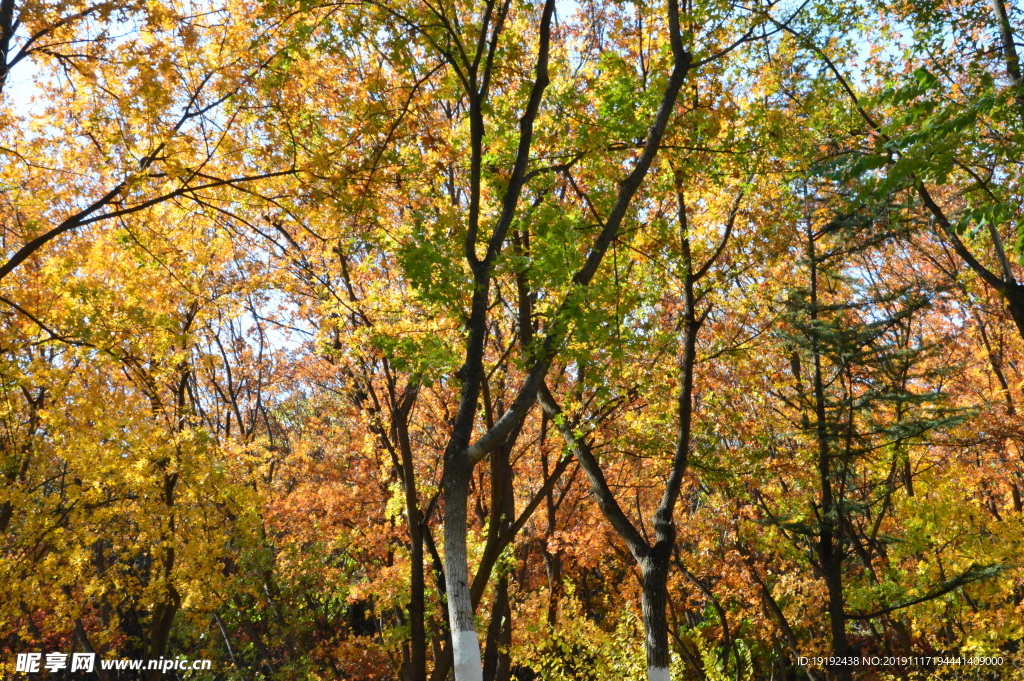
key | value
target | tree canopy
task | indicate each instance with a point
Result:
(505, 340)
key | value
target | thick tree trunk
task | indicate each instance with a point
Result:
(654, 600)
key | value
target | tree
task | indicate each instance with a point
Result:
(484, 80)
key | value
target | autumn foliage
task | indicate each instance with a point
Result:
(513, 340)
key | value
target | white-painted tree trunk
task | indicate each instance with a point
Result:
(657, 674)
(466, 656)
(465, 643)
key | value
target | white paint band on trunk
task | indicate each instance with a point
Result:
(657, 674)
(466, 656)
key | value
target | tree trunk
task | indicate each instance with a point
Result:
(417, 668)
(465, 643)
(170, 600)
(829, 546)
(497, 660)
(7, 28)
(654, 599)
(1014, 295)
(831, 564)
(553, 569)
(1010, 59)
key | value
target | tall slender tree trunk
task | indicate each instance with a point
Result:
(417, 600)
(497, 659)
(417, 669)
(829, 546)
(552, 559)
(465, 642)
